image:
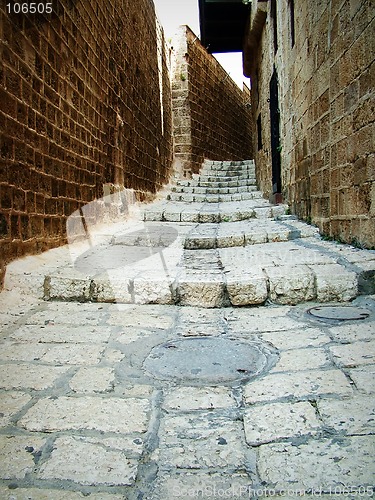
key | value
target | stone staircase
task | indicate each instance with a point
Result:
(218, 183)
(221, 192)
(212, 241)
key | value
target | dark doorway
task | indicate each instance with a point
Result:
(275, 134)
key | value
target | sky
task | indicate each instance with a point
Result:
(173, 13)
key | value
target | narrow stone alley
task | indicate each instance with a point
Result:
(128, 369)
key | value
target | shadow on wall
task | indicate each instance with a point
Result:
(109, 260)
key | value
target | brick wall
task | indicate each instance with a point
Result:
(84, 102)
(326, 89)
(211, 119)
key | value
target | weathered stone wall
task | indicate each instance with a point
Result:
(84, 103)
(212, 116)
(326, 90)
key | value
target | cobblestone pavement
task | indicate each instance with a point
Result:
(145, 380)
(81, 416)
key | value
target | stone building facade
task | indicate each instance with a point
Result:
(312, 69)
(212, 116)
(85, 110)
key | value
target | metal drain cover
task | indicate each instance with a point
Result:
(208, 360)
(339, 313)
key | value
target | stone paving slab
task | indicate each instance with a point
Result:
(363, 378)
(302, 359)
(16, 455)
(303, 384)
(29, 376)
(93, 380)
(11, 403)
(198, 441)
(264, 424)
(186, 485)
(88, 463)
(355, 354)
(355, 416)
(91, 413)
(197, 398)
(53, 332)
(52, 494)
(321, 465)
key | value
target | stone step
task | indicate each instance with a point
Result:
(249, 232)
(240, 253)
(250, 172)
(228, 172)
(227, 165)
(222, 178)
(213, 190)
(214, 198)
(282, 272)
(218, 184)
(211, 212)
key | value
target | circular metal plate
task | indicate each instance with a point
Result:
(208, 359)
(339, 313)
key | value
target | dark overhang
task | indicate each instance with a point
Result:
(223, 24)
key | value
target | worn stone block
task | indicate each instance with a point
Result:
(290, 284)
(311, 383)
(264, 424)
(154, 289)
(90, 413)
(196, 398)
(319, 464)
(195, 442)
(30, 376)
(334, 282)
(356, 354)
(353, 416)
(12, 351)
(302, 359)
(83, 462)
(92, 380)
(16, 455)
(52, 333)
(185, 485)
(70, 354)
(363, 378)
(246, 288)
(10, 404)
(353, 332)
(111, 289)
(51, 494)
(256, 237)
(206, 290)
(294, 338)
(68, 288)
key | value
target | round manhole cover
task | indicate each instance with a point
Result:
(208, 360)
(339, 313)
